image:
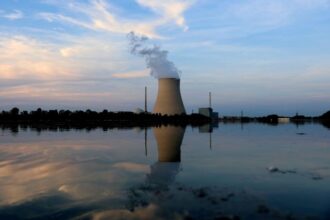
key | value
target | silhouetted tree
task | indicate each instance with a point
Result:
(14, 111)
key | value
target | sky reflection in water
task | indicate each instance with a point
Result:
(248, 172)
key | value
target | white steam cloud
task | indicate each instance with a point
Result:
(155, 57)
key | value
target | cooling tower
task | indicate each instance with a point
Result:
(169, 139)
(169, 99)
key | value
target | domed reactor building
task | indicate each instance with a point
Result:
(169, 101)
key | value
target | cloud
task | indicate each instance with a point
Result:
(52, 92)
(104, 21)
(23, 57)
(131, 74)
(258, 12)
(78, 69)
(238, 19)
(274, 13)
(171, 10)
(312, 3)
(98, 16)
(15, 15)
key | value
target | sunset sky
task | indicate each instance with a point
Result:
(259, 56)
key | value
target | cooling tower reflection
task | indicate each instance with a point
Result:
(164, 171)
(169, 139)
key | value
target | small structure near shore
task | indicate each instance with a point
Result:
(208, 112)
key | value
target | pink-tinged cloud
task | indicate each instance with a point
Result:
(131, 74)
(22, 57)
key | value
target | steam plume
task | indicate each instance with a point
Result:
(155, 57)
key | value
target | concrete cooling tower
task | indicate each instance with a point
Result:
(169, 139)
(169, 99)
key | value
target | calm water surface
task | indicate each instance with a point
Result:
(253, 171)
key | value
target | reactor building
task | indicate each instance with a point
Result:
(169, 101)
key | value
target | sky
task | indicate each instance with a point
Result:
(256, 56)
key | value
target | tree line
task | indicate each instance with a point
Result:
(130, 119)
(104, 117)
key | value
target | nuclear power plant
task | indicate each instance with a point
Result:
(169, 101)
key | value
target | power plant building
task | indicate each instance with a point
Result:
(205, 112)
(208, 112)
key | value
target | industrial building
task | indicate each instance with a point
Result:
(208, 112)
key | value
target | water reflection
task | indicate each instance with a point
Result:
(170, 199)
(169, 140)
(43, 177)
(164, 171)
(208, 128)
(105, 175)
(15, 128)
(144, 198)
